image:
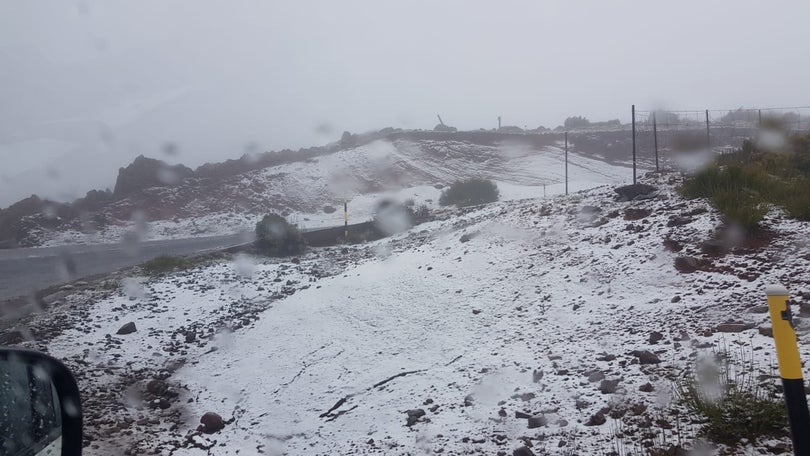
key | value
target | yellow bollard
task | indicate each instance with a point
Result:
(790, 368)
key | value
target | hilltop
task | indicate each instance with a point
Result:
(152, 200)
(559, 324)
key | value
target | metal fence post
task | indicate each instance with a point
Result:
(566, 162)
(633, 114)
(708, 136)
(655, 140)
(790, 368)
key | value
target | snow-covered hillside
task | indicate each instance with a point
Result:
(399, 168)
(444, 339)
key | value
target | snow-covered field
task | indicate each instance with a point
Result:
(528, 307)
(363, 175)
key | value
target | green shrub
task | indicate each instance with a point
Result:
(164, 264)
(733, 405)
(738, 191)
(276, 236)
(470, 193)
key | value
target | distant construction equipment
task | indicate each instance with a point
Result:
(442, 127)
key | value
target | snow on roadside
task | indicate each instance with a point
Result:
(514, 307)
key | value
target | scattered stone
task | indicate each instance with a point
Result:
(537, 375)
(646, 388)
(597, 419)
(672, 245)
(413, 416)
(687, 264)
(128, 328)
(582, 404)
(211, 422)
(596, 376)
(766, 331)
(656, 337)
(523, 451)
(525, 396)
(191, 336)
(779, 448)
(464, 238)
(521, 415)
(758, 310)
(733, 327)
(646, 357)
(635, 192)
(608, 386)
(675, 299)
(713, 247)
(635, 213)
(468, 400)
(679, 221)
(537, 421)
(157, 387)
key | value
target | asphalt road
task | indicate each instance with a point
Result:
(23, 271)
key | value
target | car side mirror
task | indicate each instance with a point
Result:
(40, 408)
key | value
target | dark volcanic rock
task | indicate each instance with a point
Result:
(646, 357)
(537, 421)
(597, 419)
(679, 221)
(413, 416)
(635, 192)
(713, 247)
(608, 386)
(146, 173)
(211, 422)
(672, 245)
(688, 265)
(635, 214)
(523, 451)
(128, 328)
(733, 327)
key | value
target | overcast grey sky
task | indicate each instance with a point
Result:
(88, 85)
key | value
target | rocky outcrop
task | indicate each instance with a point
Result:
(146, 173)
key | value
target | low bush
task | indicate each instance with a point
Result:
(737, 191)
(164, 264)
(743, 183)
(470, 192)
(732, 403)
(276, 236)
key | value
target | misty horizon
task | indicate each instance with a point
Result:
(91, 85)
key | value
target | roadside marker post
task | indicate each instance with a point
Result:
(345, 218)
(790, 368)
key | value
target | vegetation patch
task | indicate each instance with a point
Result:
(165, 264)
(470, 192)
(742, 185)
(732, 403)
(276, 236)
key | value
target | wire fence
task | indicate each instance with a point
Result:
(661, 136)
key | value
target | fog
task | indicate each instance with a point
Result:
(87, 86)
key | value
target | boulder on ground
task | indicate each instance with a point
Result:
(211, 422)
(128, 328)
(635, 192)
(646, 357)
